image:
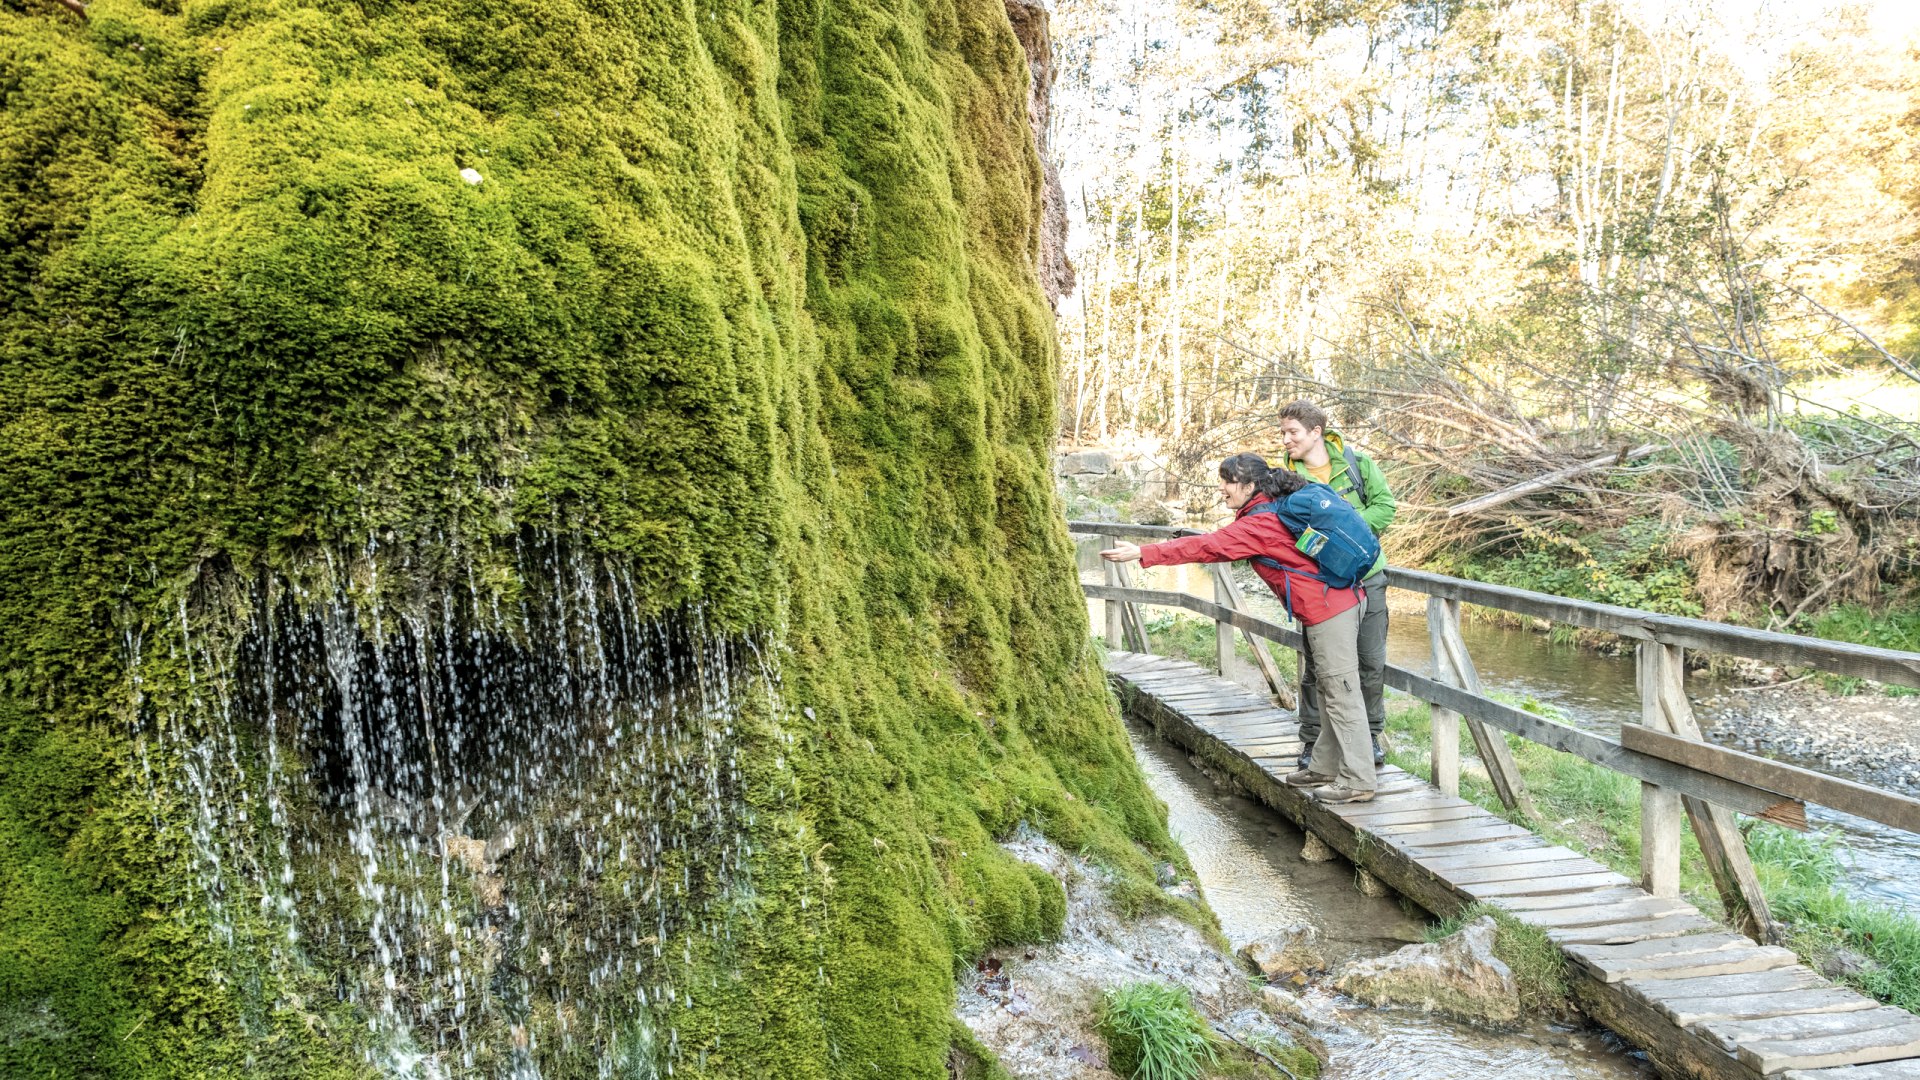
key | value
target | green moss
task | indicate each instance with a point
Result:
(744, 301)
(968, 1060)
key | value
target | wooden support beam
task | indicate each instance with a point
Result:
(1886, 807)
(1661, 672)
(1492, 745)
(1659, 806)
(1132, 631)
(1445, 723)
(1227, 593)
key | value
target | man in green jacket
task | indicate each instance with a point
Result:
(1321, 455)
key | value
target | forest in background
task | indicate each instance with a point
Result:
(1660, 257)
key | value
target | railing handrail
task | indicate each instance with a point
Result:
(1754, 794)
(1842, 658)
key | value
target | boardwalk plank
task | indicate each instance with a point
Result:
(1668, 926)
(1904, 1069)
(1610, 968)
(1638, 909)
(1730, 1035)
(1569, 883)
(1852, 1048)
(1690, 1011)
(1511, 871)
(1524, 905)
(1658, 992)
(1389, 816)
(1518, 853)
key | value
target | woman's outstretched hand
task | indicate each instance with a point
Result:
(1124, 553)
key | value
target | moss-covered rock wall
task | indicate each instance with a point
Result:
(739, 295)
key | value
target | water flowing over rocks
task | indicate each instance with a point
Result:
(1293, 951)
(498, 826)
(1035, 1007)
(1458, 976)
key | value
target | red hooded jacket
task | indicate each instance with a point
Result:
(1249, 535)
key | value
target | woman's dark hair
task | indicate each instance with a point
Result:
(1253, 469)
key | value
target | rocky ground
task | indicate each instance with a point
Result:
(1035, 1007)
(1869, 736)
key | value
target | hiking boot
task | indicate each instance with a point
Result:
(1306, 778)
(1306, 758)
(1341, 793)
(1379, 755)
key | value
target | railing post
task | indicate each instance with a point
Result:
(1125, 629)
(1231, 669)
(1721, 843)
(1445, 726)
(1116, 620)
(1227, 594)
(1491, 743)
(1659, 806)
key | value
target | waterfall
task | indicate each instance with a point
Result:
(482, 827)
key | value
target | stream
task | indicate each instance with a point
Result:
(1588, 689)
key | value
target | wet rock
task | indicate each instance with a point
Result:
(1459, 977)
(1165, 874)
(1844, 963)
(1370, 885)
(1316, 850)
(1284, 1003)
(1287, 952)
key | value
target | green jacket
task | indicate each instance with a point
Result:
(1380, 506)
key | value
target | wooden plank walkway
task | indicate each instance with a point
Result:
(1702, 1000)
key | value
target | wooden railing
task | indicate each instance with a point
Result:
(1678, 771)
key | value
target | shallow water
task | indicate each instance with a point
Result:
(1247, 860)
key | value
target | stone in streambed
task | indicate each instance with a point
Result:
(1289, 951)
(1458, 976)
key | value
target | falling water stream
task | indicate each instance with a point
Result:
(492, 823)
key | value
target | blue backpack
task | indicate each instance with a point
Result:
(1328, 530)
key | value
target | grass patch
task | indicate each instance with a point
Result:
(1539, 967)
(1597, 811)
(1154, 1033)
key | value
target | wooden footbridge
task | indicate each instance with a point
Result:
(1703, 999)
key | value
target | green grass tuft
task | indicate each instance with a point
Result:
(1539, 967)
(1153, 1033)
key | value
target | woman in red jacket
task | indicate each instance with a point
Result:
(1331, 617)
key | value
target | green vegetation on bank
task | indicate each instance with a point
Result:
(1597, 812)
(1154, 1033)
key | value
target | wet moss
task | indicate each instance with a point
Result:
(743, 299)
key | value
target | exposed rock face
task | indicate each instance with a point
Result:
(1292, 951)
(1030, 25)
(1035, 1008)
(1458, 976)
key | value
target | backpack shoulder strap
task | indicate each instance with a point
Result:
(1355, 481)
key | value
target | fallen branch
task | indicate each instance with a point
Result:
(1547, 480)
(74, 6)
